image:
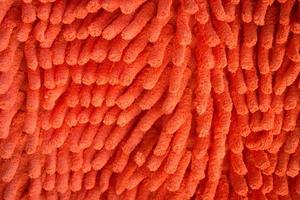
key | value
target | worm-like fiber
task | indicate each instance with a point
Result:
(149, 99)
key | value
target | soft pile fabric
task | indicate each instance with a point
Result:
(149, 99)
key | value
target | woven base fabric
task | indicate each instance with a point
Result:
(149, 99)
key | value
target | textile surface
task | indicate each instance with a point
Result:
(149, 99)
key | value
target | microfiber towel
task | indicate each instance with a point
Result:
(149, 99)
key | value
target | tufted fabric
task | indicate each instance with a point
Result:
(149, 99)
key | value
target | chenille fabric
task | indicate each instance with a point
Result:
(149, 99)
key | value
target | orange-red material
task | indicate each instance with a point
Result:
(149, 99)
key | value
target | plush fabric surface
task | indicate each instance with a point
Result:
(149, 99)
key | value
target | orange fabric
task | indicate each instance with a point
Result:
(149, 99)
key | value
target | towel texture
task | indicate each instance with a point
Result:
(149, 99)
